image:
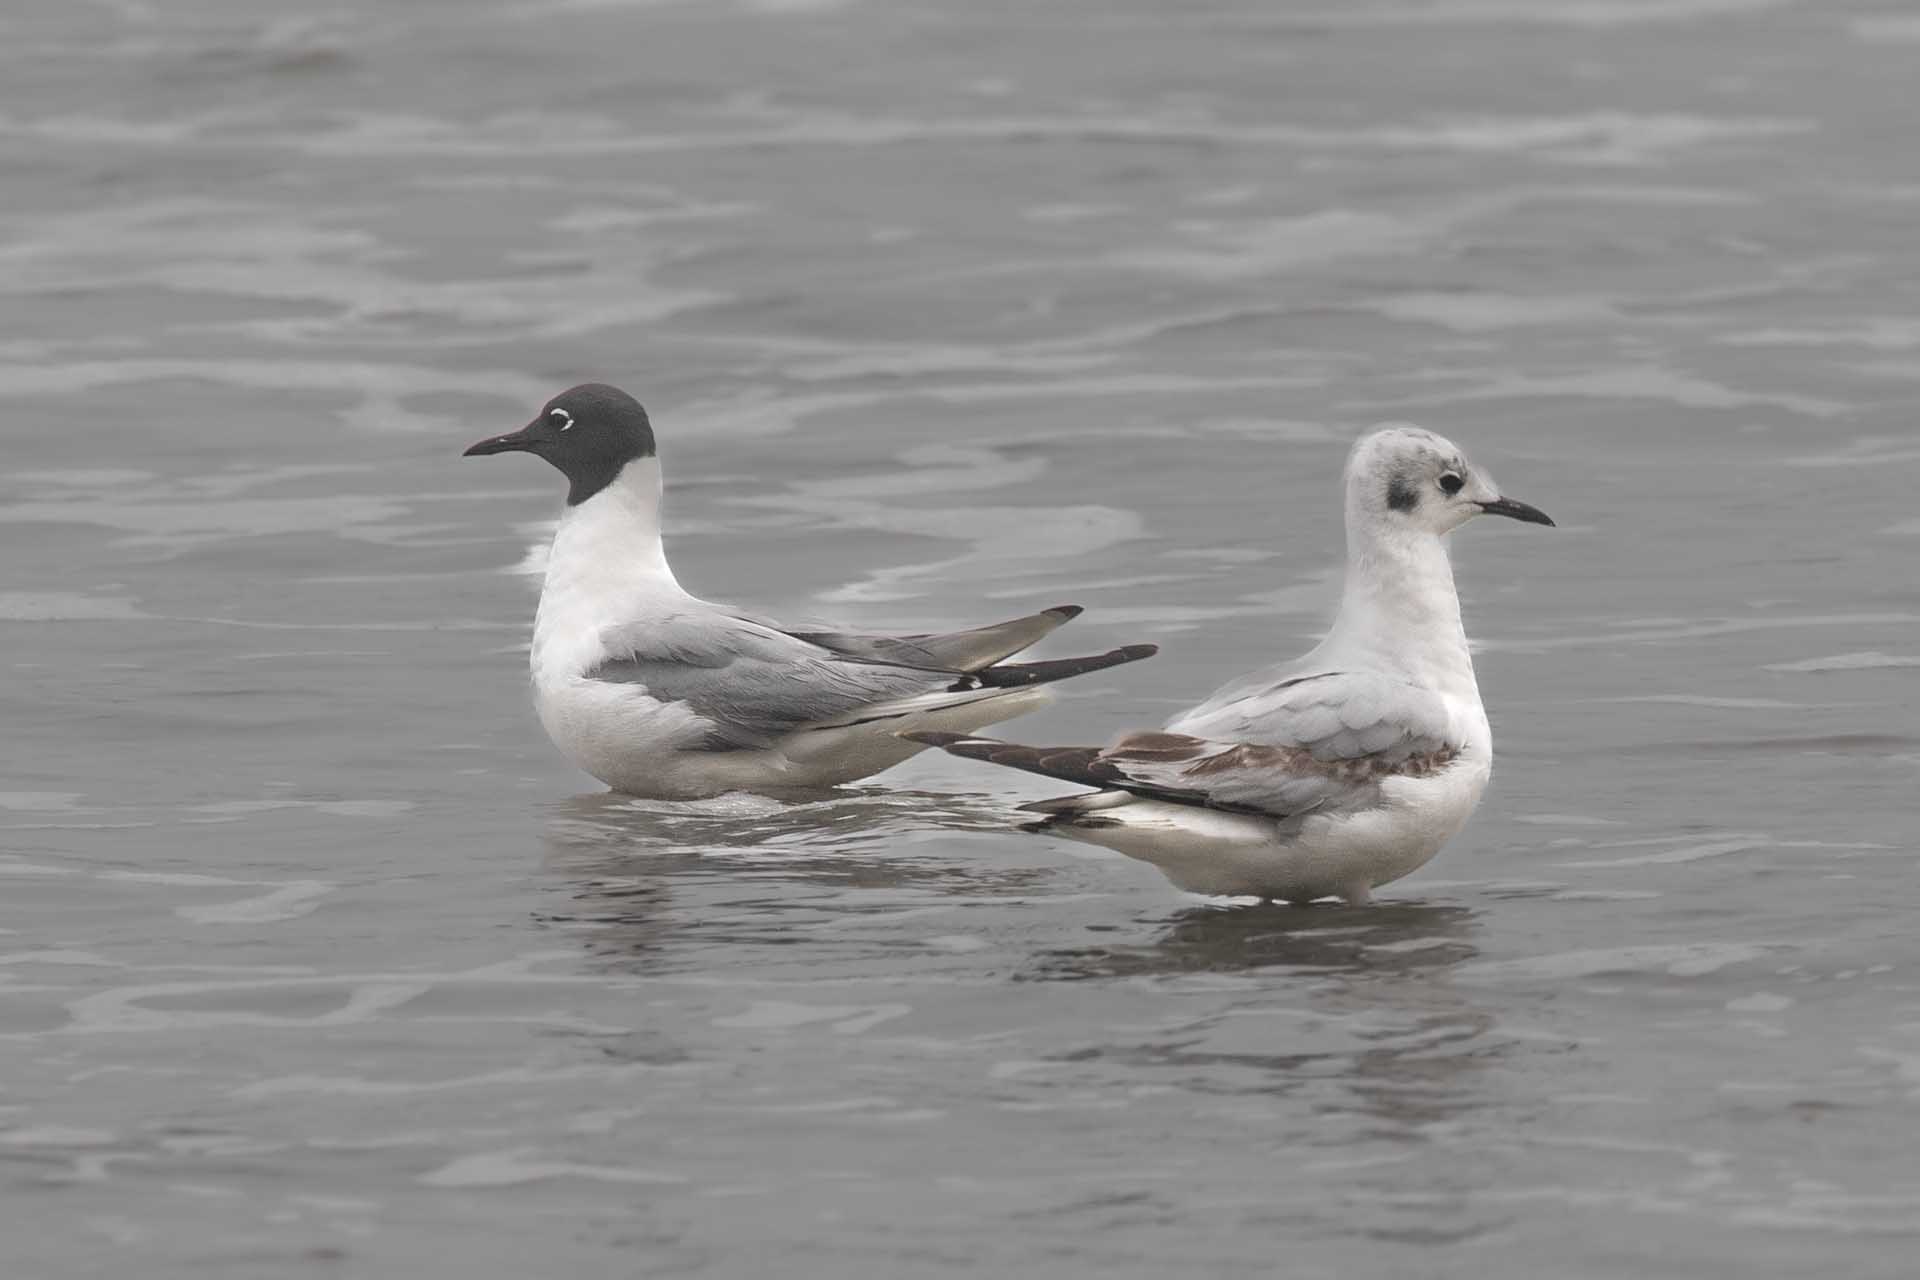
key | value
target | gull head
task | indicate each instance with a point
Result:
(589, 432)
(1409, 478)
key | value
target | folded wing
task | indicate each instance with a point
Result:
(956, 651)
(1332, 715)
(1322, 744)
(752, 683)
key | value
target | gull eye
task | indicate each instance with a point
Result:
(566, 420)
(1451, 483)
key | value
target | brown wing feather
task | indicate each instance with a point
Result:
(1237, 777)
(1069, 764)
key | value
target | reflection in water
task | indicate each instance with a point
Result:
(1355, 1010)
(1354, 1007)
(623, 860)
(738, 820)
(1376, 940)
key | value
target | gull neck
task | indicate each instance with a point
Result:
(611, 542)
(1399, 604)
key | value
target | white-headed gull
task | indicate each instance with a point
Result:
(1332, 774)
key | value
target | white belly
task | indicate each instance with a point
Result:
(643, 747)
(1346, 856)
(639, 746)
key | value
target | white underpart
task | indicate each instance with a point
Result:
(1399, 616)
(1208, 851)
(608, 568)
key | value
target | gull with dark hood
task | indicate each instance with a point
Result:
(657, 692)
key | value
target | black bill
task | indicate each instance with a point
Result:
(522, 440)
(1498, 507)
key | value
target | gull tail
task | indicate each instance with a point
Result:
(1068, 764)
(985, 697)
(1015, 674)
(961, 652)
(1082, 765)
(1001, 692)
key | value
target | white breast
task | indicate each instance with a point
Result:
(607, 568)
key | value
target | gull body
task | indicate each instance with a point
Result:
(659, 693)
(1334, 773)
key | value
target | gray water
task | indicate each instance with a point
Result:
(317, 960)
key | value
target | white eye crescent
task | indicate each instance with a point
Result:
(566, 419)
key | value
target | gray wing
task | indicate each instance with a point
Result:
(1239, 777)
(1246, 777)
(1334, 715)
(750, 684)
(952, 651)
(1317, 743)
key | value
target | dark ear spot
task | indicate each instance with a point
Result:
(1401, 495)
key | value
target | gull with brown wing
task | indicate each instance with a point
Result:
(1333, 774)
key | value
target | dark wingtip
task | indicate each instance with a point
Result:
(1065, 612)
(932, 737)
(972, 748)
(1013, 675)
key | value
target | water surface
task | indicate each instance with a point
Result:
(315, 959)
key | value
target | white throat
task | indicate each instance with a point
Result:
(606, 567)
(1400, 606)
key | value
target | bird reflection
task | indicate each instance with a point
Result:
(624, 861)
(1384, 939)
(1351, 1006)
(739, 820)
(1354, 1008)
